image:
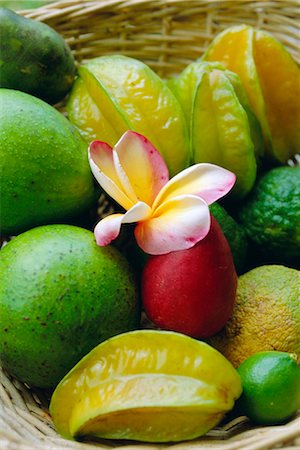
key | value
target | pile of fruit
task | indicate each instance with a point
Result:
(202, 174)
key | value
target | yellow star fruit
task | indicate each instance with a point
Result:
(271, 79)
(146, 385)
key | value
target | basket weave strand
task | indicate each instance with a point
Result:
(167, 35)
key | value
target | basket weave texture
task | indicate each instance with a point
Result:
(167, 35)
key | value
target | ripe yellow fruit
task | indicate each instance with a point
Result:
(146, 385)
(271, 79)
(266, 315)
(113, 94)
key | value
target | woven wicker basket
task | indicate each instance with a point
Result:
(167, 35)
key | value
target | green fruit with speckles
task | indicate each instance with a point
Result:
(45, 174)
(270, 217)
(266, 315)
(34, 58)
(60, 295)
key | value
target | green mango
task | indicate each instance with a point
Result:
(113, 94)
(45, 174)
(60, 295)
(34, 58)
(223, 129)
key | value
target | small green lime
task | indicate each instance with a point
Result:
(271, 387)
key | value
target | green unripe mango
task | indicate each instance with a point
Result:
(34, 58)
(45, 174)
(60, 295)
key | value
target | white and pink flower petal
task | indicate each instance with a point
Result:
(109, 186)
(123, 179)
(139, 211)
(178, 224)
(108, 228)
(101, 154)
(144, 166)
(208, 181)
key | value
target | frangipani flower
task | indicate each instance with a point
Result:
(170, 214)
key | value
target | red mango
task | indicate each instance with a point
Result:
(191, 291)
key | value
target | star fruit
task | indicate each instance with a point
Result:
(271, 79)
(146, 385)
(223, 129)
(113, 94)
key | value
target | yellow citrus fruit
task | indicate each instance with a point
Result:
(266, 315)
(271, 387)
(146, 385)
